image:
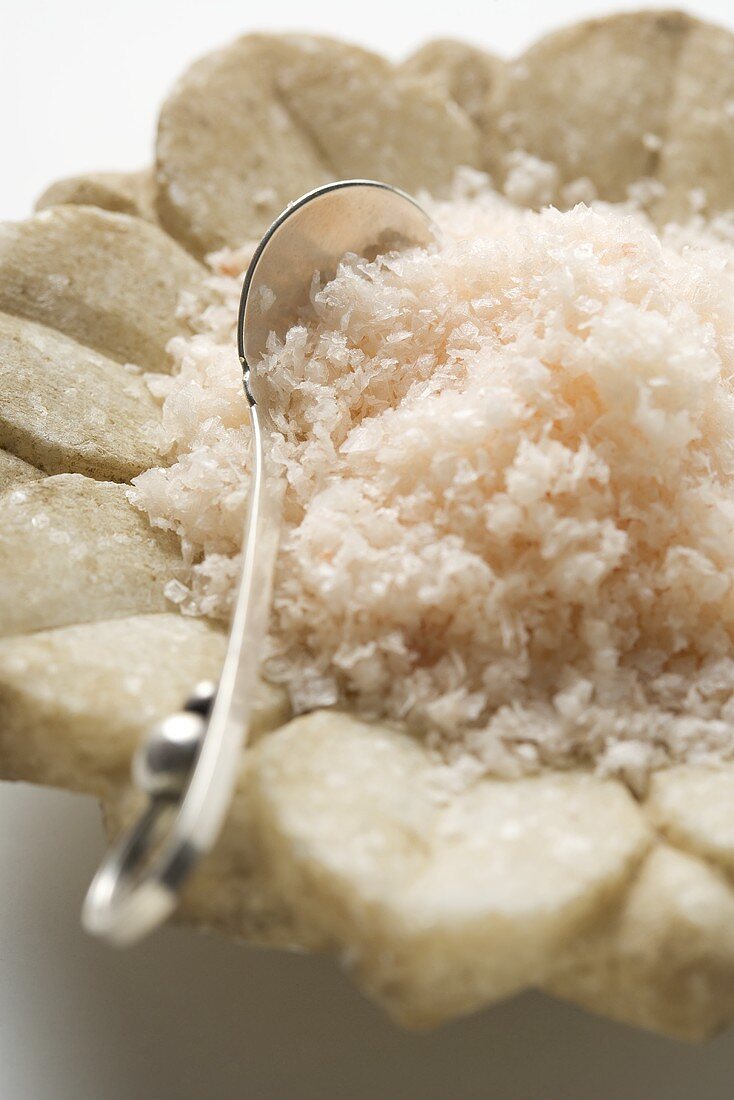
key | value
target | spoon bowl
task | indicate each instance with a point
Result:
(309, 238)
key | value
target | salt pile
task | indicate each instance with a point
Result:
(509, 519)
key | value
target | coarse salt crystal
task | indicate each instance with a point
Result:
(509, 517)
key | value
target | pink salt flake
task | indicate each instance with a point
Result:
(509, 461)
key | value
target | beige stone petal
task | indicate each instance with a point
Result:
(14, 471)
(74, 550)
(251, 127)
(594, 99)
(698, 150)
(665, 959)
(694, 808)
(462, 72)
(65, 407)
(110, 281)
(438, 906)
(74, 702)
(119, 192)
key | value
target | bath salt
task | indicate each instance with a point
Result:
(509, 461)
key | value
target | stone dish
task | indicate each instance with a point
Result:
(563, 882)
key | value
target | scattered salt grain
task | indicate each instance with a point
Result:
(267, 298)
(175, 591)
(652, 142)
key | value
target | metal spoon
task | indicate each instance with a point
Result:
(188, 764)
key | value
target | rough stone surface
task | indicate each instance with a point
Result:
(251, 127)
(109, 281)
(14, 471)
(664, 960)
(441, 904)
(107, 561)
(694, 808)
(65, 407)
(119, 192)
(464, 73)
(616, 100)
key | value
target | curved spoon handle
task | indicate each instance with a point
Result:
(137, 885)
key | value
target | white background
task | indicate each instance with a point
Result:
(185, 1016)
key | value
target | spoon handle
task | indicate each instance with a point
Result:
(137, 885)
